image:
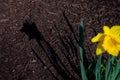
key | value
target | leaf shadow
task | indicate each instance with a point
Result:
(30, 29)
(79, 41)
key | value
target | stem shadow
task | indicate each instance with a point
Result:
(30, 29)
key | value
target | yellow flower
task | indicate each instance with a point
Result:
(108, 41)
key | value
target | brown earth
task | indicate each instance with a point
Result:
(39, 38)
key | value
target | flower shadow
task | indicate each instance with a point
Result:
(30, 29)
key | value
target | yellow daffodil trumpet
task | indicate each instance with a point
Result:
(108, 41)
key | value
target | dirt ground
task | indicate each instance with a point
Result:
(39, 38)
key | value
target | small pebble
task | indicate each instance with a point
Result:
(33, 61)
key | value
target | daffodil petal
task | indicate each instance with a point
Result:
(106, 29)
(113, 52)
(99, 49)
(118, 46)
(107, 43)
(97, 38)
(111, 46)
(115, 31)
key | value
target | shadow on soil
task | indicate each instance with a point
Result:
(30, 29)
(73, 48)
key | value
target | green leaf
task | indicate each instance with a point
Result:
(118, 77)
(81, 39)
(98, 68)
(116, 71)
(112, 67)
(107, 70)
(83, 72)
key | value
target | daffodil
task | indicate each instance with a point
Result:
(108, 41)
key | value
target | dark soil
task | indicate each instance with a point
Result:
(39, 38)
